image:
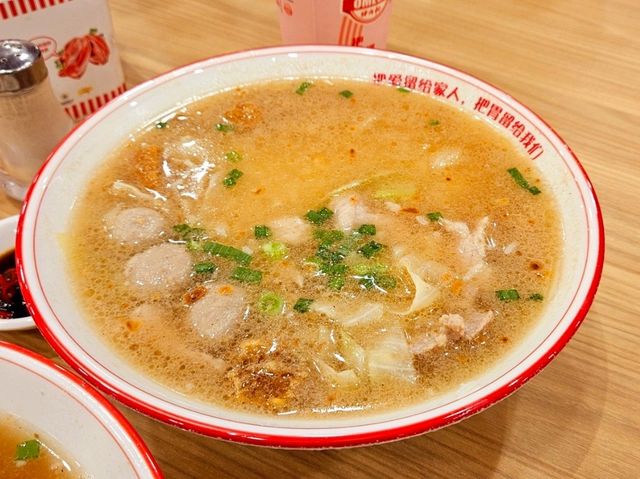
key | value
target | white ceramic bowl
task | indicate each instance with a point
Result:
(8, 228)
(56, 403)
(65, 176)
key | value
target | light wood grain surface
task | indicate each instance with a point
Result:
(577, 64)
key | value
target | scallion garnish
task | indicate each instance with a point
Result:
(402, 89)
(519, 179)
(161, 124)
(246, 275)
(303, 305)
(224, 127)
(346, 93)
(369, 249)
(507, 294)
(336, 282)
(303, 87)
(224, 251)
(368, 230)
(333, 269)
(232, 156)
(27, 450)
(275, 249)
(318, 217)
(536, 297)
(204, 267)
(328, 237)
(232, 178)
(261, 231)
(270, 303)
(189, 233)
(434, 216)
(434, 122)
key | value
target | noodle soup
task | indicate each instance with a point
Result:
(313, 247)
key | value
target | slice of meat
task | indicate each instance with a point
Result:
(428, 342)
(291, 230)
(159, 269)
(134, 225)
(476, 322)
(219, 311)
(351, 212)
(454, 325)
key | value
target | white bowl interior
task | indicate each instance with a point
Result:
(64, 178)
(60, 408)
(8, 228)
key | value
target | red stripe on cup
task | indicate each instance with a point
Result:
(12, 8)
(23, 7)
(32, 5)
(3, 12)
(43, 3)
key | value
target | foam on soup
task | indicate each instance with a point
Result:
(314, 247)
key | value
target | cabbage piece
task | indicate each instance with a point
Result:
(425, 293)
(391, 356)
(354, 354)
(365, 314)
(346, 378)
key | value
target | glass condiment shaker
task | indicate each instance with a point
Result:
(32, 121)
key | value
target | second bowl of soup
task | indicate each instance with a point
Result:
(311, 248)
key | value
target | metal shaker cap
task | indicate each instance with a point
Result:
(21, 66)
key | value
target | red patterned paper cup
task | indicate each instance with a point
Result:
(362, 23)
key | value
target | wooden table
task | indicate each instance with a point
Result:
(576, 63)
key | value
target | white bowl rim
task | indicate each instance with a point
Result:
(91, 399)
(297, 439)
(13, 324)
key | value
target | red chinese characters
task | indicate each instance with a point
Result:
(425, 85)
(79, 52)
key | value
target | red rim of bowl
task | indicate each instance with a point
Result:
(122, 422)
(311, 442)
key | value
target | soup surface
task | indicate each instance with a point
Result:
(25, 454)
(314, 247)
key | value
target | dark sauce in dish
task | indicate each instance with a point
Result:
(11, 301)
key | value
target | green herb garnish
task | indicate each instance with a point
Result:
(232, 178)
(275, 249)
(434, 122)
(232, 156)
(224, 251)
(27, 450)
(161, 124)
(369, 249)
(507, 294)
(318, 217)
(303, 87)
(303, 305)
(434, 216)
(346, 93)
(261, 231)
(246, 275)
(328, 237)
(402, 89)
(368, 230)
(536, 297)
(204, 267)
(189, 233)
(519, 179)
(270, 303)
(224, 127)
(336, 282)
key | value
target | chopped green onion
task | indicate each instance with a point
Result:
(346, 93)
(368, 230)
(246, 275)
(434, 122)
(194, 245)
(28, 450)
(434, 216)
(333, 269)
(336, 282)
(399, 192)
(519, 179)
(204, 267)
(270, 303)
(536, 297)
(232, 156)
(261, 231)
(303, 87)
(182, 229)
(327, 254)
(402, 89)
(189, 233)
(328, 237)
(275, 249)
(507, 294)
(302, 305)
(369, 249)
(224, 127)
(224, 251)
(385, 281)
(232, 178)
(161, 124)
(318, 217)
